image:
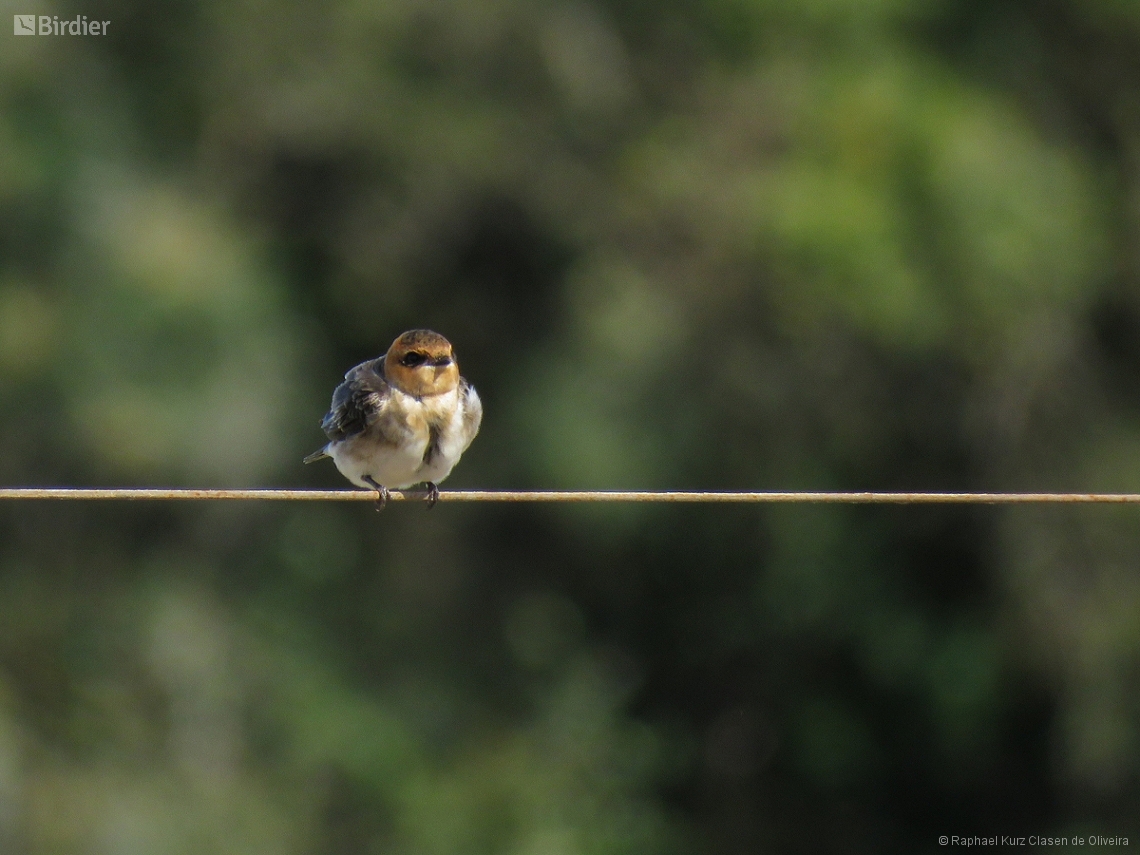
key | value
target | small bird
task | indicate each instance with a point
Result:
(402, 419)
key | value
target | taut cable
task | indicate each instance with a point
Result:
(758, 497)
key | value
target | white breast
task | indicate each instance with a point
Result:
(392, 450)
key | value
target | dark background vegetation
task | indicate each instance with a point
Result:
(715, 244)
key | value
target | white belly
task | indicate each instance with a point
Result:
(396, 467)
(392, 453)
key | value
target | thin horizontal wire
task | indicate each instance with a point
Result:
(860, 498)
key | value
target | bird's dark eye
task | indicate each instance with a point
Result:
(412, 359)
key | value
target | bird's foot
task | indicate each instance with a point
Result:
(432, 494)
(381, 490)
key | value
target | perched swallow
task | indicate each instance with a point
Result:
(403, 418)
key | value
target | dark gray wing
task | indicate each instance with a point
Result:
(357, 401)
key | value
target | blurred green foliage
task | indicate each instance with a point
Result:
(719, 244)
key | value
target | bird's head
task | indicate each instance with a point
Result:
(422, 363)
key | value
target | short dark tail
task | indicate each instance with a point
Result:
(320, 454)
